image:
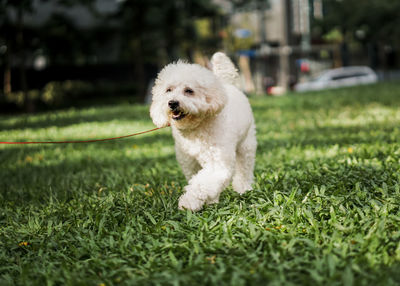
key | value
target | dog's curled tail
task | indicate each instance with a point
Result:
(224, 69)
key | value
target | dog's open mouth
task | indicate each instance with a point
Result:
(178, 114)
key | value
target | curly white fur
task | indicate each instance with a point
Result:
(213, 127)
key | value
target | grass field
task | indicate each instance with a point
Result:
(325, 209)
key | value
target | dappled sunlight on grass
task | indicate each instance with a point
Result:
(324, 209)
(373, 113)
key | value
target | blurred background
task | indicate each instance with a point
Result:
(62, 53)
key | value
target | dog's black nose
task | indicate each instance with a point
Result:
(173, 104)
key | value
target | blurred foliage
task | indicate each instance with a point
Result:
(68, 93)
(366, 21)
(161, 31)
(18, 98)
(145, 34)
(54, 93)
(157, 31)
(63, 42)
(334, 36)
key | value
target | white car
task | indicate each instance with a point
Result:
(340, 77)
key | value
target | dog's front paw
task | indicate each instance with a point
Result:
(190, 202)
(240, 186)
(211, 201)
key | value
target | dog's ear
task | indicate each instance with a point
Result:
(158, 112)
(216, 98)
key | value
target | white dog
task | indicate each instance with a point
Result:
(213, 127)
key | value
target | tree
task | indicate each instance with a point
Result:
(17, 38)
(6, 33)
(370, 22)
(158, 31)
(21, 7)
(379, 19)
(148, 32)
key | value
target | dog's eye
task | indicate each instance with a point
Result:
(189, 91)
(169, 89)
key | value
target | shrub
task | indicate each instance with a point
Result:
(66, 93)
(19, 99)
(60, 93)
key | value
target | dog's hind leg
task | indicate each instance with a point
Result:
(244, 168)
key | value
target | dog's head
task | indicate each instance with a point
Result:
(184, 95)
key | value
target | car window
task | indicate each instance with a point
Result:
(344, 76)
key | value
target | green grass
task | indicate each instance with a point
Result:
(325, 209)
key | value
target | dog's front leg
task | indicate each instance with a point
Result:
(207, 184)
